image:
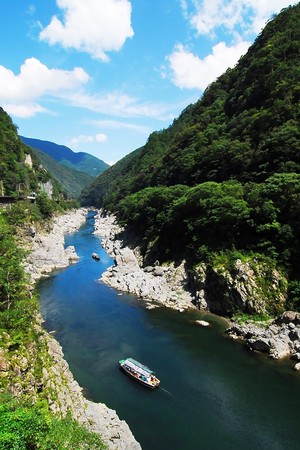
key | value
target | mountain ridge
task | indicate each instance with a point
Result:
(81, 161)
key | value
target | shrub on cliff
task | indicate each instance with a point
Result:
(24, 426)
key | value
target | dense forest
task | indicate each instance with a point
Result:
(224, 178)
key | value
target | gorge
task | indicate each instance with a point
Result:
(211, 383)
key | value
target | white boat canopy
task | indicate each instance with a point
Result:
(138, 367)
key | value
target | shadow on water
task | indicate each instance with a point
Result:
(214, 394)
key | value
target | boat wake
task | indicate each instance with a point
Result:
(165, 390)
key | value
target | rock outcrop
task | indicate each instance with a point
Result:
(162, 285)
(279, 339)
(47, 248)
(250, 287)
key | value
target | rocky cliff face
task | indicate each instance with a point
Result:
(248, 287)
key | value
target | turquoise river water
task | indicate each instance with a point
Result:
(214, 393)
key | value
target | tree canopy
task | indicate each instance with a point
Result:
(225, 174)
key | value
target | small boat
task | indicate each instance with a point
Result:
(139, 372)
(96, 256)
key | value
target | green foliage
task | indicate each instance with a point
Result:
(245, 127)
(263, 319)
(234, 158)
(25, 426)
(294, 295)
(11, 272)
(23, 212)
(45, 205)
(17, 306)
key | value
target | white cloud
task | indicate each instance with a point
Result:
(23, 93)
(117, 125)
(24, 111)
(264, 9)
(35, 80)
(191, 72)
(119, 104)
(92, 26)
(100, 137)
(87, 139)
(239, 17)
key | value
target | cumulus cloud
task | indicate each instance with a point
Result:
(191, 72)
(239, 17)
(92, 26)
(20, 92)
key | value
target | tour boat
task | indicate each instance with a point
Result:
(95, 256)
(139, 372)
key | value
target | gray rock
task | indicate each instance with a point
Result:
(297, 366)
(165, 285)
(158, 272)
(288, 317)
(259, 345)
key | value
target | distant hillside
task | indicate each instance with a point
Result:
(223, 181)
(245, 127)
(71, 181)
(82, 162)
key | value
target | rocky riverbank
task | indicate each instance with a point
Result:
(47, 253)
(279, 339)
(47, 247)
(158, 285)
(168, 286)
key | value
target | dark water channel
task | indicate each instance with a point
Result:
(216, 394)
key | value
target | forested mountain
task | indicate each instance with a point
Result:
(225, 176)
(71, 181)
(82, 162)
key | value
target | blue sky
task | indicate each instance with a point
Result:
(100, 75)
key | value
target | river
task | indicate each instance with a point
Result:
(214, 393)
